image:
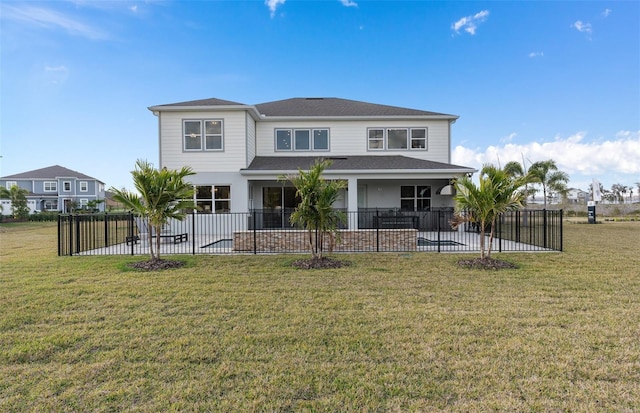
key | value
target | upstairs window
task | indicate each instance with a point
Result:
(321, 139)
(66, 186)
(302, 140)
(84, 186)
(49, 186)
(203, 135)
(283, 140)
(396, 139)
(376, 139)
(418, 139)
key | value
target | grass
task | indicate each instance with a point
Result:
(390, 332)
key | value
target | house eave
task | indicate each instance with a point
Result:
(205, 108)
(441, 173)
(265, 118)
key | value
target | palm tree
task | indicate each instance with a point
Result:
(497, 192)
(163, 195)
(18, 197)
(315, 212)
(546, 173)
(516, 169)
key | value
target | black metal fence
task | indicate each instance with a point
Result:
(269, 231)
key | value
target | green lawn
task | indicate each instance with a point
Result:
(391, 332)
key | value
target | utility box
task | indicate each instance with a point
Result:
(591, 212)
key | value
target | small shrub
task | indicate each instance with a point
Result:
(44, 216)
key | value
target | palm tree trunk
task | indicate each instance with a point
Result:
(150, 243)
(493, 226)
(158, 238)
(313, 251)
(482, 224)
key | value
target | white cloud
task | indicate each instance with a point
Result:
(56, 74)
(45, 18)
(582, 27)
(470, 23)
(536, 54)
(349, 3)
(606, 12)
(508, 138)
(573, 154)
(273, 5)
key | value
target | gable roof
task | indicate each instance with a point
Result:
(51, 172)
(282, 164)
(307, 107)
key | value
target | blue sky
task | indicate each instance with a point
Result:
(535, 79)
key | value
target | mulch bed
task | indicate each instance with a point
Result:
(315, 263)
(486, 264)
(156, 265)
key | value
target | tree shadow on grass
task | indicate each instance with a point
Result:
(156, 265)
(319, 263)
(486, 264)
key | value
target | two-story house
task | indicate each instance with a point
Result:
(577, 196)
(392, 158)
(54, 188)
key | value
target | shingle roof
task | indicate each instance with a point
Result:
(51, 172)
(312, 107)
(334, 107)
(206, 102)
(369, 163)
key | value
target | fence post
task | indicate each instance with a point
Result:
(255, 234)
(106, 229)
(59, 237)
(130, 232)
(544, 228)
(193, 232)
(561, 234)
(438, 226)
(77, 219)
(499, 230)
(377, 220)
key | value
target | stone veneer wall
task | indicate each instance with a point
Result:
(350, 240)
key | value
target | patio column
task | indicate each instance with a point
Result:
(352, 202)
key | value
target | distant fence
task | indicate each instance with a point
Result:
(267, 231)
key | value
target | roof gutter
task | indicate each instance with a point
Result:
(263, 117)
(449, 172)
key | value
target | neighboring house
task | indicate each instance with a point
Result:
(392, 158)
(110, 203)
(54, 189)
(577, 196)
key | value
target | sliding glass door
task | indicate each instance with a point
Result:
(278, 203)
